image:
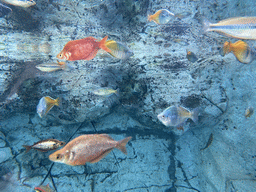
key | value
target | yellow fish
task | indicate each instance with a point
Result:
(237, 27)
(45, 105)
(241, 50)
(249, 112)
(161, 17)
(118, 50)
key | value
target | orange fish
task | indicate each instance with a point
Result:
(241, 50)
(83, 49)
(88, 148)
(161, 17)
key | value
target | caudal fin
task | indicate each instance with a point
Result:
(194, 115)
(57, 101)
(121, 146)
(207, 25)
(27, 147)
(103, 44)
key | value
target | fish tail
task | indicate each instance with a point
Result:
(207, 26)
(117, 92)
(122, 143)
(57, 101)
(194, 114)
(150, 18)
(27, 147)
(103, 44)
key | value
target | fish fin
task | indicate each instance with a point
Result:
(206, 24)
(103, 44)
(117, 92)
(150, 18)
(57, 101)
(194, 114)
(122, 143)
(27, 147)
(226, 47)
(97, 159)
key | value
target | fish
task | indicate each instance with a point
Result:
(50, 67)
(176, 115)
(249, 112)
(88, 148)
(181, 42)
(236, 27)
(182, 15)
(45, 105)
(20, 3)
(161, 17)
(43, 188)
(208, 143)
(241, 50)
(118, 50)
(191, 56)
(4, 10)
(83, 49)
(105, 91)
(45, 145)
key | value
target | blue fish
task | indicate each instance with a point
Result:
(4, 10)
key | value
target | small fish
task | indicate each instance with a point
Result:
(208, 143)
(176, 116)
(249, 112)
(43, 188)
(237, 27)
(82, 49)
(181, 42)
(119, 50)
(191, 56)
(88, 148)
(20, 3)
(50, 67)
(161, 17)
(182, 15)
(105, 91)
(45, 145)
(45, 105)
(241, 50)
(4, 10)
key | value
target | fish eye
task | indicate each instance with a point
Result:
(58, 156)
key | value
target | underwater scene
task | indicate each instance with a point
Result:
(127, 95)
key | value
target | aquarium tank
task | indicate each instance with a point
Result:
(127, 95)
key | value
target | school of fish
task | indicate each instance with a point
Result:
(91, 148)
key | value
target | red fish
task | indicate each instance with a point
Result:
(43, 188)
(88, 148)
(83, 49)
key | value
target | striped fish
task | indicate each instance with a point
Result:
(237, 27)
(50, 67)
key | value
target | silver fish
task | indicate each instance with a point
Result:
(45, 105)
(162, 16)
(45, 145)
(177, 115)
(20, 3)
(237, 27)
(50, 67)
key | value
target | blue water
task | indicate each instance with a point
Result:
(215, 153)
